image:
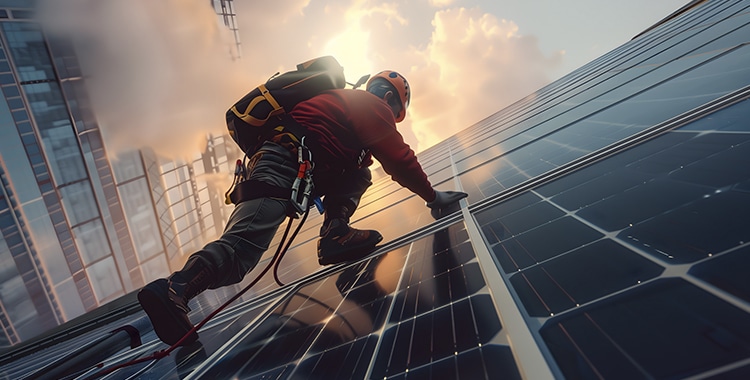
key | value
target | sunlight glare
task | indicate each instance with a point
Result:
(351, 48)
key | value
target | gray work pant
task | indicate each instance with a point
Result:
(253, 223)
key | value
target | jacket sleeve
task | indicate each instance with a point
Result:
(377, 131)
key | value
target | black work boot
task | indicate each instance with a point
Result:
(340, 243)
(165, 300)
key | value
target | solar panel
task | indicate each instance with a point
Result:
(606, 234)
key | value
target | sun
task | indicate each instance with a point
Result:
(350, 48)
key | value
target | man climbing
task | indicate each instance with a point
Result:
(345, 129)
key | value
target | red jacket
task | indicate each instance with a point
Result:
(351, 127)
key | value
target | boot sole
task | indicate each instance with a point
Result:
(167, 320)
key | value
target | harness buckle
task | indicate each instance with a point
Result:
(300, 201)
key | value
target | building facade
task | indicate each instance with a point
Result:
(172, 206)
(78, 229)
(66, 242)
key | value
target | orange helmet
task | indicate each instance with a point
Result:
(391, 80)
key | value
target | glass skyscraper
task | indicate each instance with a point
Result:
(170, 208)
(77, 230)
(606, 235)
(65, 246)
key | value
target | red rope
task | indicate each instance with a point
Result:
(158, 355)
(286, 249)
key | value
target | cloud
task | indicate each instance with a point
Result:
(474, 65)
(277, 35)
(441, 3)
(463, 64)
(160, 73)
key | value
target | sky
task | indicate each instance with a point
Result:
(161, 73)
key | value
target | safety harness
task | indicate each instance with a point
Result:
(299, 194)
(244, 189)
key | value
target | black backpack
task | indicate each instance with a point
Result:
(258, 115)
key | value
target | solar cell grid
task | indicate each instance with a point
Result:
(631, 266)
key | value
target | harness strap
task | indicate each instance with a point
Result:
(265, 95)
(300, 193)
(253, 189)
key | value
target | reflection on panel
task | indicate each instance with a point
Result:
(601, 251)
(439, 324)
(416, 309)
(623, 337)
(626, 105)
(184, 360)
(607, 235)
(463, 327)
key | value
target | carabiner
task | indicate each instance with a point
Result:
(303, 173)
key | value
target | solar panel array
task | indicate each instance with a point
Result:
(606, 235)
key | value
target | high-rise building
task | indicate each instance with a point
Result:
(606, 235)
(76, 229)
(66, 247)
(169, 205)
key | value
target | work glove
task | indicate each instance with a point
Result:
(445, 202)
